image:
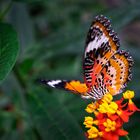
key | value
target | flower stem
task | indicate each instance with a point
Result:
(127, 137)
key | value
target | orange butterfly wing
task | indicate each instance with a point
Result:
(101, 54)
(114, 76)
(102, 43)
(74, 86)
(120, 72)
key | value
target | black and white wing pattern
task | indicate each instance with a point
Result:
(101, 44)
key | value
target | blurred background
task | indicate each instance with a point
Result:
(52, 36)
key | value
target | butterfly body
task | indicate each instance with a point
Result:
(106, 68)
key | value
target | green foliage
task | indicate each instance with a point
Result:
(52, 39)
(28, 1)
(53, 117)
(8, 49)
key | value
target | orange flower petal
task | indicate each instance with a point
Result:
(100, 116)
(110, 136)
(113, 117)
(132, 106)
(119, 123)
(119, 102)
(124, 115)
(122, 132)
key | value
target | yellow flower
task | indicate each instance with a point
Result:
(109, 116)
(108, 106)
(93, 132)
(113, 107)
(91, 107)
(107, 98)
(88, 122)
(128, 94)
(110, 125)
(103, 108)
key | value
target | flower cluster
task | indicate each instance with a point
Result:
(109, 117)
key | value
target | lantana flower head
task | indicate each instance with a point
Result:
(109, 116)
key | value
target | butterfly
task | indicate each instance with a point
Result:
(106, 68)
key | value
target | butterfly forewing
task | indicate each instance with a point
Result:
(101, 44)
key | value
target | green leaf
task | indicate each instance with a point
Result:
(51, 119)
(8, 49)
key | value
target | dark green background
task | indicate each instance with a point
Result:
(52, 36)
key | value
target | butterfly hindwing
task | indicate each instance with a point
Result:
(101, 44)
(114, 76)
(119, 71)
(74, 86)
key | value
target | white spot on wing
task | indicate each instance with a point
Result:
(53, 83)
(96, 43)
